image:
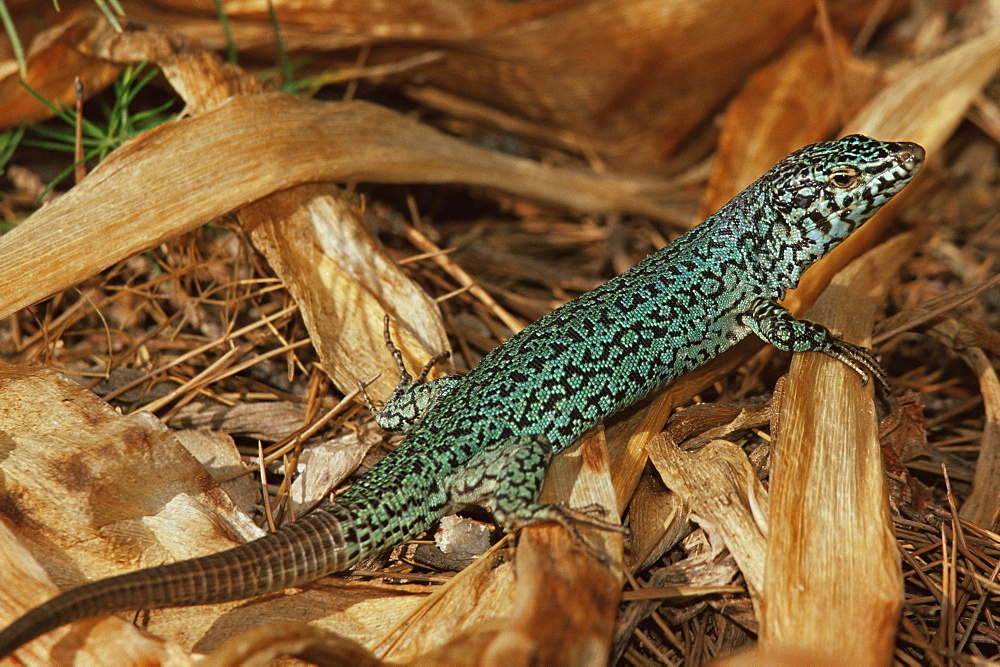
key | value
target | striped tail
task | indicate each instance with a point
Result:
(320, 543)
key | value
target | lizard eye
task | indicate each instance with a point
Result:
(844, 178)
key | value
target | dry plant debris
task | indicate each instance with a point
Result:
(184, 330)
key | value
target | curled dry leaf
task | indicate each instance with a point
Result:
(217, 452)
(76, 500)
(324, 465)
(344, 284)
(456, 618)
(658, 519)
(54, 62)
(983, 503)
(725, 496)
(261, 645)
(799, 98)
(178, 176)
(536, 62)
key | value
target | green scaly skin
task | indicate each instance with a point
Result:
(487, 437)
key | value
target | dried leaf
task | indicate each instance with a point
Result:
(217, 452)
(70, 483)
(726, 499)
(324, 465)
(344, 284)
(536, 63)
(457, 617)
(261, 645)
(982, 506)
(54, 63)
(833, 580)
(658, 519)
(796, 100)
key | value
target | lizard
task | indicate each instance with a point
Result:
(486, 437)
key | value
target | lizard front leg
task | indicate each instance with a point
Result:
(775, 325)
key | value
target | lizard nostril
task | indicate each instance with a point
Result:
(910, 153)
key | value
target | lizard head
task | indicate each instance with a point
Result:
(825, 191)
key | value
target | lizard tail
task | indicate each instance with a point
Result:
(321, 542)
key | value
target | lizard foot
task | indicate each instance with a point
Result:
(569, 518)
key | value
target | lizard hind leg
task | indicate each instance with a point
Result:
(412, 398)
(404, 375)
(506, 476)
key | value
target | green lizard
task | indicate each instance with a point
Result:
(486, 437)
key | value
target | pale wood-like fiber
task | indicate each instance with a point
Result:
(833, 582)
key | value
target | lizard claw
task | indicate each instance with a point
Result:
(863, 362)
